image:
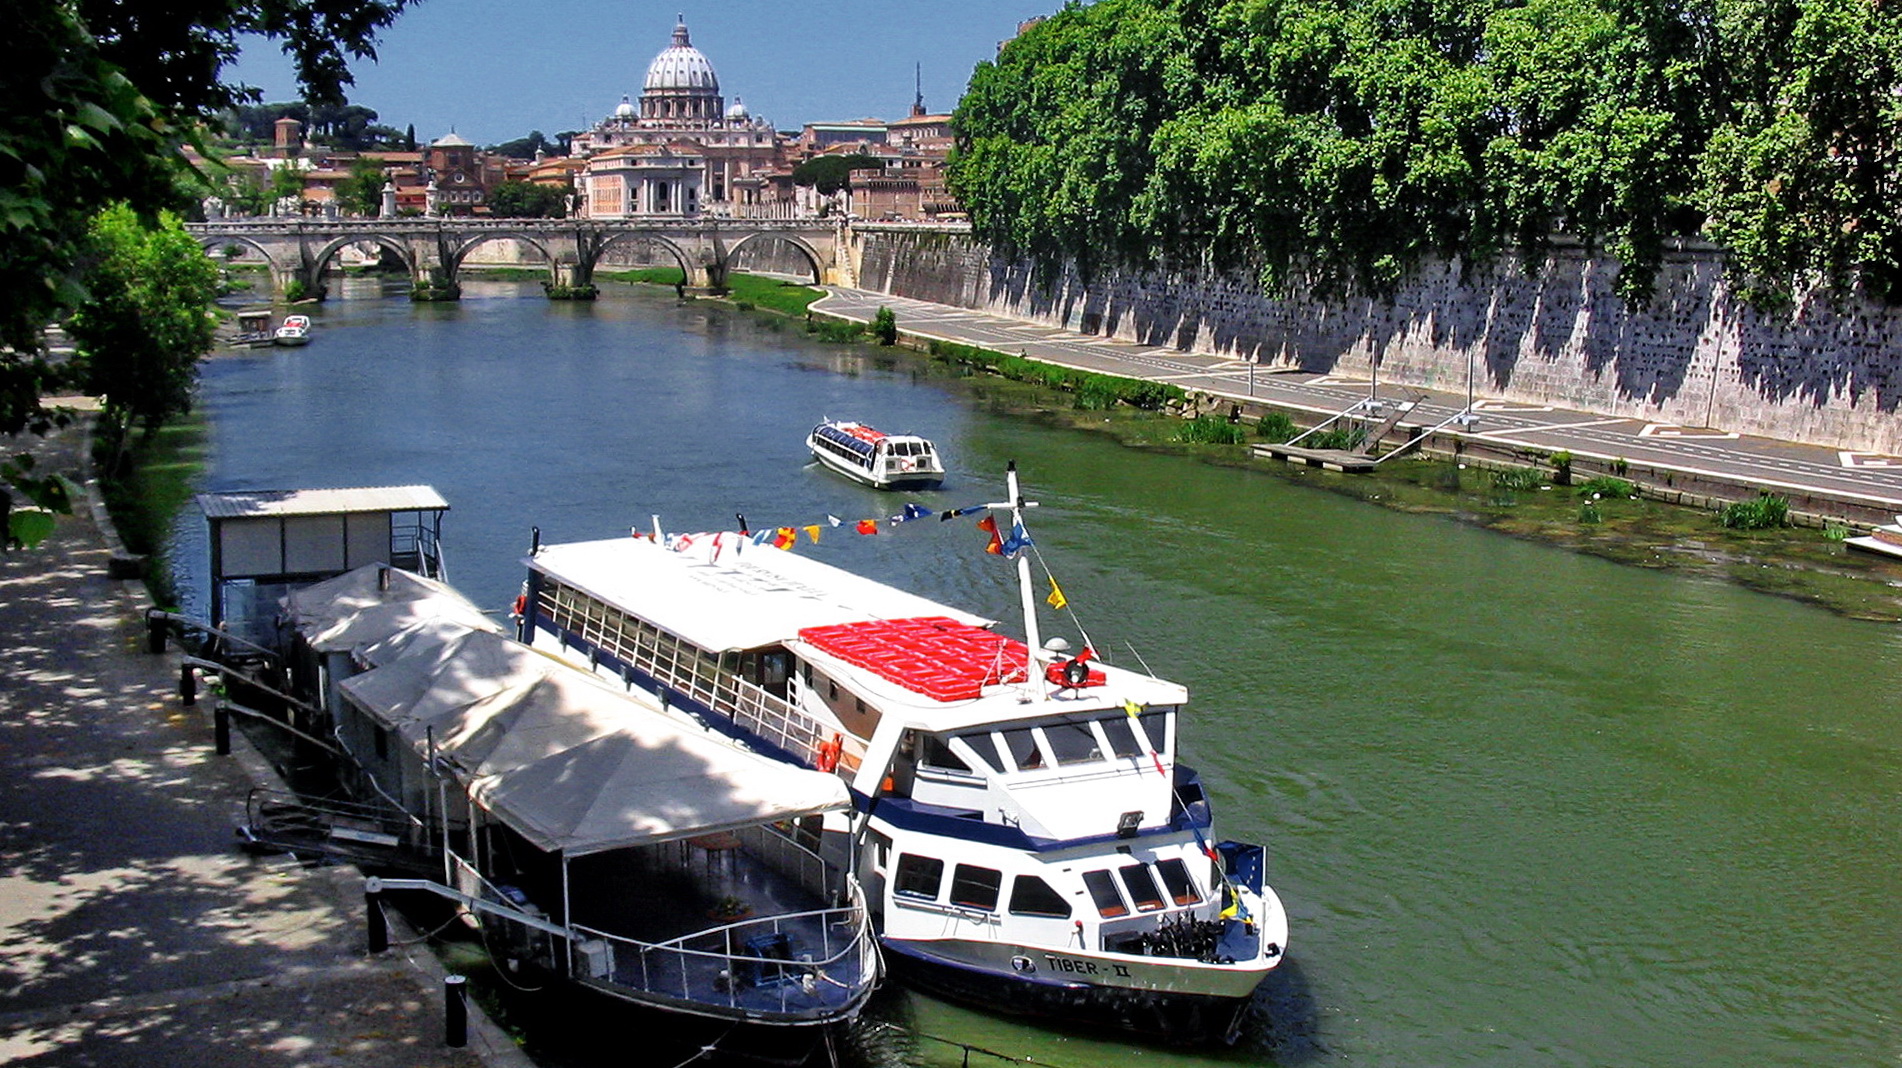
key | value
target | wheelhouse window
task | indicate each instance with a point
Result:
(1031, 896)
(1022, 746)
(1072, 743)
(985, 749)
(1103, 893)
(1175, 879)
(975, 887)
(918, 876)
(1154, 736)
(934, 752)
(1142, 887)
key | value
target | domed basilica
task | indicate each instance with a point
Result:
(681, 150)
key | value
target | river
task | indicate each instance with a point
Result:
(1524, 807)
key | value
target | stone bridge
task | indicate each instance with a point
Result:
(299, 250)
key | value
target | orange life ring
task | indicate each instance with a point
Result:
(829, 751)
(521, 604)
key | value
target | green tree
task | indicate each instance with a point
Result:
(527, 200)
(145, 322)
(829, 174)
(361, 193)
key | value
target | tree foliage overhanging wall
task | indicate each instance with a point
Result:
(1341, 142)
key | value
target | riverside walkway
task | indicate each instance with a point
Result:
(131, 931)
(1860, 486)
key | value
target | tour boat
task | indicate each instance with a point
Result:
(878, 459)
(586, 833)
(1024, 832)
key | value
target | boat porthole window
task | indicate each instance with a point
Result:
(1031, 896)
(1103, 892)
(975, 887)
(918, 876)
(1142, 887)
(1176, 879)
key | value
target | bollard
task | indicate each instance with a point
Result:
(379, 923)
(221, 729)
(455, 1011)
(187, 685)
(154, 633)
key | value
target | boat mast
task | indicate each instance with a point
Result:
(1016, 505)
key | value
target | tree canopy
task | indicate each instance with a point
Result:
(829, 174)
(1341, 142)
(97, 99)
(527, 200)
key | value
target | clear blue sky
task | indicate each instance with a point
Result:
(496, 69)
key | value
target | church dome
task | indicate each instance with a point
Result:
(682, 67)
(626, 110)
(737, 111)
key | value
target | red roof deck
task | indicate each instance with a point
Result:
(938, 657)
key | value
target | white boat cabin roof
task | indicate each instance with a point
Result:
(747, 597)
(939, 678)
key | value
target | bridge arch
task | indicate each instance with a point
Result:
(671, 247)
(215, 244)
(320, 261)
(797, 243)
(462, 251)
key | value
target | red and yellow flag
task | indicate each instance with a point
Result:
(785, 538)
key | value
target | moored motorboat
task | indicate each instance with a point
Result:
(291, 335)
(1025, 834)
(869, 455)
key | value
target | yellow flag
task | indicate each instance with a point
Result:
(1056, 599)
(813, 533)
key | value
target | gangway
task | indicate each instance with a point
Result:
(1360, 458)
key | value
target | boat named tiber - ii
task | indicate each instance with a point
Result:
(1025, 835)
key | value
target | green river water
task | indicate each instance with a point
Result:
(1525, 807)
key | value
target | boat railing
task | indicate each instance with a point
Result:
(745, 964)
(778, 851)
(771, 718)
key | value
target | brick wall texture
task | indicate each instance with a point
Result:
(1825, 373)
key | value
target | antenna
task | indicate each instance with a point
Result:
(1033, 639)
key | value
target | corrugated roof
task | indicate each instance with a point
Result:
(259, 503)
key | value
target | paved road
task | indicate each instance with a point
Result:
(131, 932)
(1863, 479)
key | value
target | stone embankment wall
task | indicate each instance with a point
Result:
(1694, 356)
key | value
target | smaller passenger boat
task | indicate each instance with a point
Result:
(1885, 539)
(880, 460)
(289, 334)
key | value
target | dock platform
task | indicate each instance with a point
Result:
(1353, 463)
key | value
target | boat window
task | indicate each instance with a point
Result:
(935, 753)
(1108, 899)
(1072, 743)
(975, 887)
(1022, 746)
(918, 876)
(881, 850)
(1142, 887)
(985, 749)
(1154, 735)
(1175, 877)
(1031, 896)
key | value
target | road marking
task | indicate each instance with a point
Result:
(1541, 427)
(1667, 430)
(1868, 459)
(1509, 406)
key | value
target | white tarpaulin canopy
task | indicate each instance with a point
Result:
(570, 763)
(373, 603)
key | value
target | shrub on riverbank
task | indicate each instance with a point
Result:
(1091, 391)
(1210, 430)
(1765, 512)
